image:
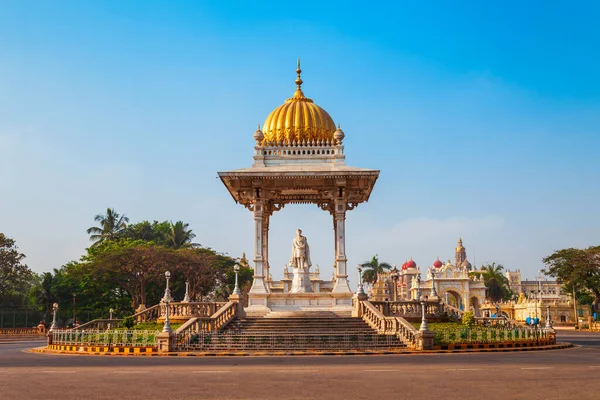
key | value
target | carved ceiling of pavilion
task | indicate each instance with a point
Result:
(354, 187)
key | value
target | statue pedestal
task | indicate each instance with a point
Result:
(334, 302)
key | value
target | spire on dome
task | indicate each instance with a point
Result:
(298, 82)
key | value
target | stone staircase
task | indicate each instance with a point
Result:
(296, 330)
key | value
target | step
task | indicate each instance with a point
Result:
(301, 314)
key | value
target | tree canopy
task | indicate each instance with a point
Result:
(495, 281)
(372, 268)
(578, 270)
(15, 276)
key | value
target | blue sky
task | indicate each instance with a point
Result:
(482, 117)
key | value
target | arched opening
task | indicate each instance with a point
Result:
(563, 318)
(453, 299)
(474, 305)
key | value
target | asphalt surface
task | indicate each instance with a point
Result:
(555, 374)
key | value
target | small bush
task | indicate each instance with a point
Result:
(128, 322)
(468, 319)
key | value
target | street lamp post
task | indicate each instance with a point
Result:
(395, 276)
(54, 311)
(236, 289)
(433, 289)
(167, 326)
(110, 313)
(167, 297)
(548, 319)
(74, 312)
(360, 290)
(418, 287)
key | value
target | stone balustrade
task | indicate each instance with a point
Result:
(409, 308)
(396, 326)
(190, 330)
(185, 311)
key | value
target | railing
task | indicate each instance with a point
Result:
(285, 341)
(148, 314)
(100, 324)
(490, 335)
(104, 338)
(188, 310)
(196, 325)
(376, 320)
(498, 321)
(221, 318)
(390, 326)
(20, 331)
(454, 310)
(407, 333)
(408, 308)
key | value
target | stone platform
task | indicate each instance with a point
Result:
(337, 303)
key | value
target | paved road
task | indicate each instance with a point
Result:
(557, 374)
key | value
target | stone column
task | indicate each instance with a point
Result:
(258, 283)
(341, 275)
(335, 250)
(265, 246)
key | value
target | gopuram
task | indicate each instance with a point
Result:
(299, 159)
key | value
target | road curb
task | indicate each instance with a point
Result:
(295, 353)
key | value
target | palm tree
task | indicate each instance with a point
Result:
(495, 281)
(111, 226)
(372, 268)
(180, 236)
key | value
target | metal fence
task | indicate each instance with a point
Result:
(489, 335)
(105, 338)
(285, 341)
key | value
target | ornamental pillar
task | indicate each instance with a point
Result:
(341, 275)
(335, 240)
(258, 283)
(265, 246)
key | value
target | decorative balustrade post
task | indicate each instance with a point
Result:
(424, 326)
(186, 298)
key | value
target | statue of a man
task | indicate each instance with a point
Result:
(300, 257)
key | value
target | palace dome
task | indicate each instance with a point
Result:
(437, 263)
(299, 119)
(411, 264)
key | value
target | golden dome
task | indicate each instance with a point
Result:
(298, 119)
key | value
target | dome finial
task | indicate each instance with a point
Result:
(298, 82)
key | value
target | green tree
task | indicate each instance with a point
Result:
(372, 268)
(111, 226)
(495, 281)
(155, 232)
(578, 270)
(179, 236)
(15, 276)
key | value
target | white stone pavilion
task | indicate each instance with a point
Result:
(299, 159)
